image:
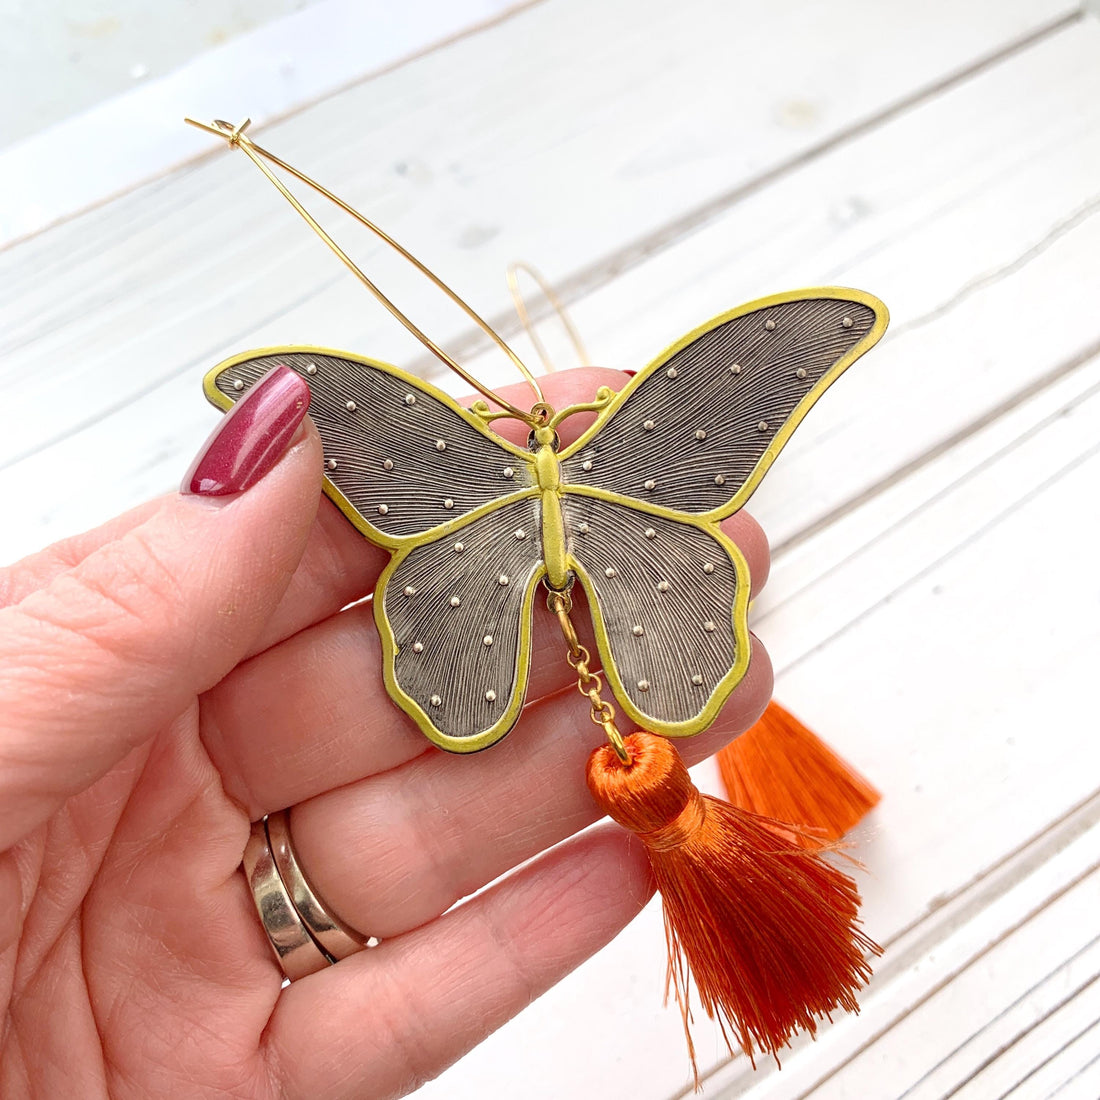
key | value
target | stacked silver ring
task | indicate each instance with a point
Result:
(304, 934)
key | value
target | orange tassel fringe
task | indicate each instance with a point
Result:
(768, 930)
(781, 769)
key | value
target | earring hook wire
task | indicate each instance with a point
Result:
(235, 136)
(556, 304)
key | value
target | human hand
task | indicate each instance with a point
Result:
(186, 669)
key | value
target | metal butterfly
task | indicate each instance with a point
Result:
(631, 510)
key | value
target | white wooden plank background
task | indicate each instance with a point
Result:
(934, 602)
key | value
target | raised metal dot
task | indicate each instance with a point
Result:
(435, 701)
(719, 479)
(455, 602)
(509, 473)
(520, 534)
(351, 406)
(663, 586)
(331, 463)
(459, 547)
(586, 465)
(238, 384)
(763, 425)
(697, 680)
(387, 464)
(651, 484)
(418, 647)
(610, 572)
(735, 368)
(637, 630)
(847, 322)
(769, 324)
(700, 434)
(383, 509)
(491, 696)
(410, 399)
(649, 425)
(311, 368)
(409, 590)
(448, 503)
(650, 533)
(440, 444)
(643, 685)
(487, 640)
(800, 373)
(502, 579)
(672, 372)
(708, 568)
(710, 627)
(582, 528)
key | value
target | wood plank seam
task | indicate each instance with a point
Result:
(942, 447)
(1045, 1062)
(974, 897)
(1080, 1073)
(949, 978)
(987, 1062)
(609, 267)
(972, 538)
(1021, 999)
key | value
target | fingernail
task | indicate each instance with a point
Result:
(251, 438)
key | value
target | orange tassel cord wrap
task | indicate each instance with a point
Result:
(781, 769)
(767, 929)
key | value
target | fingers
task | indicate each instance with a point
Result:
(37, 570)
(113, 649)
(394, 851)
(311, 714)
(388, 1019)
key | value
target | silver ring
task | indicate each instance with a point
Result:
(334, 937)
(295, 949)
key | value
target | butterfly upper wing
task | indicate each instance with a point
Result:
(401, 457)
(417, 473)
(454, 615)
(669, 600)
(696, 430)
(683, 445)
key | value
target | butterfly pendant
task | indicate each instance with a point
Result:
(630, 510)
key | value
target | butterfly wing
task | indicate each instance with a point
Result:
(696, 430)
(401, 457)
(669, 601)
(419, 474)
(454, 615)
(681, 447)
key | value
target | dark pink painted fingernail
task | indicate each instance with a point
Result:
(252, 437)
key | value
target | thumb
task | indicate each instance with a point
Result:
(112, 650)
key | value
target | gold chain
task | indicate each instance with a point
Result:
(589, 683)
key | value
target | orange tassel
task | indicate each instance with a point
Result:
(768, 930)
(781, 769)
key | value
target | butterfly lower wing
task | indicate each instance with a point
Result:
(696, 430)
(454, 615)
(401, 457)
(669, 601)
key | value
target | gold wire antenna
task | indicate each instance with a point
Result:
(235, 136)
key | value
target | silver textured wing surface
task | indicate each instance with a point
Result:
(401, 457)
(455, 619)
(668, 603)
(696, 430)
